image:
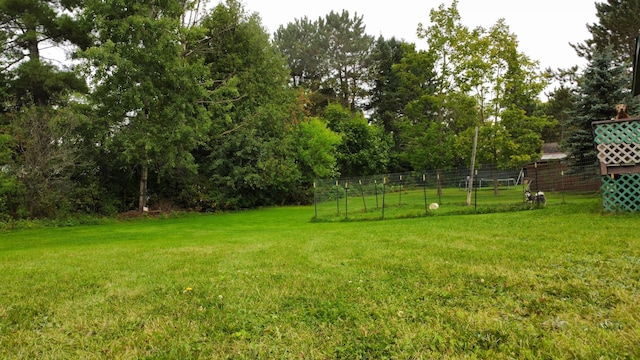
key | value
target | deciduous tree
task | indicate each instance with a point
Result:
(148, 92)
(364, 149)
(46, 155)
(249, 157)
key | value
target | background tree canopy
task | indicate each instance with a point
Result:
(193, 105)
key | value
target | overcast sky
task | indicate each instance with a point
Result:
(544, 28)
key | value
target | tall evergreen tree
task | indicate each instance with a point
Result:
(616, 30)
(300, 43)
(386, 98)
(400, 76)
(348, 51)
(600, 88)
(28, 25)
(35, 111)
(329, 57)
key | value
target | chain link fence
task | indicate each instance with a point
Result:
(451, 191)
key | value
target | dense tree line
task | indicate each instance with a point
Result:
(164, 103)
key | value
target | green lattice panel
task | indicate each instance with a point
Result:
(621, 193)
(618, 132)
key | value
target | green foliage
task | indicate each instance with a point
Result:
(348, 48)
(43, 84)
(364, 149)
(329, 57)
(479, 64)
(45, 160)
(148, 94)
(197, 107)
(300, 44)
(417, 85)
(495, 145)
(249, 157)
(616, 31)
(387, 93)
(513, 77)
(484, 63)
(445, 37)
(430, 120)
(315, 146)
(430, 147)
(600, 88)
(561, 104)
(510, 143)
(25, 26)
(11, 189)
(526, 133)
(391, 62)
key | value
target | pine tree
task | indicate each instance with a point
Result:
(28, 26)
(617, 28)
(600, 88)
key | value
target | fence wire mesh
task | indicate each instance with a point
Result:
(413, 194)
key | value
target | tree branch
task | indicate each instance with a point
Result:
(234, 129)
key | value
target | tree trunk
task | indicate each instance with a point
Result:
(143, 188)
(32, 41)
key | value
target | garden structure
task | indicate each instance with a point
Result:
(551, 173)
(618, 144)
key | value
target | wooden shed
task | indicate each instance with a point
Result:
(551, 173)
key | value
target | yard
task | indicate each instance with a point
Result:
(558, 282)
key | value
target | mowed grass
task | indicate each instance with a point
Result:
(559, 282)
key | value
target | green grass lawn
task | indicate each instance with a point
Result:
(558, 282)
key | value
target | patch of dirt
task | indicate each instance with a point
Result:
(134, 214)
